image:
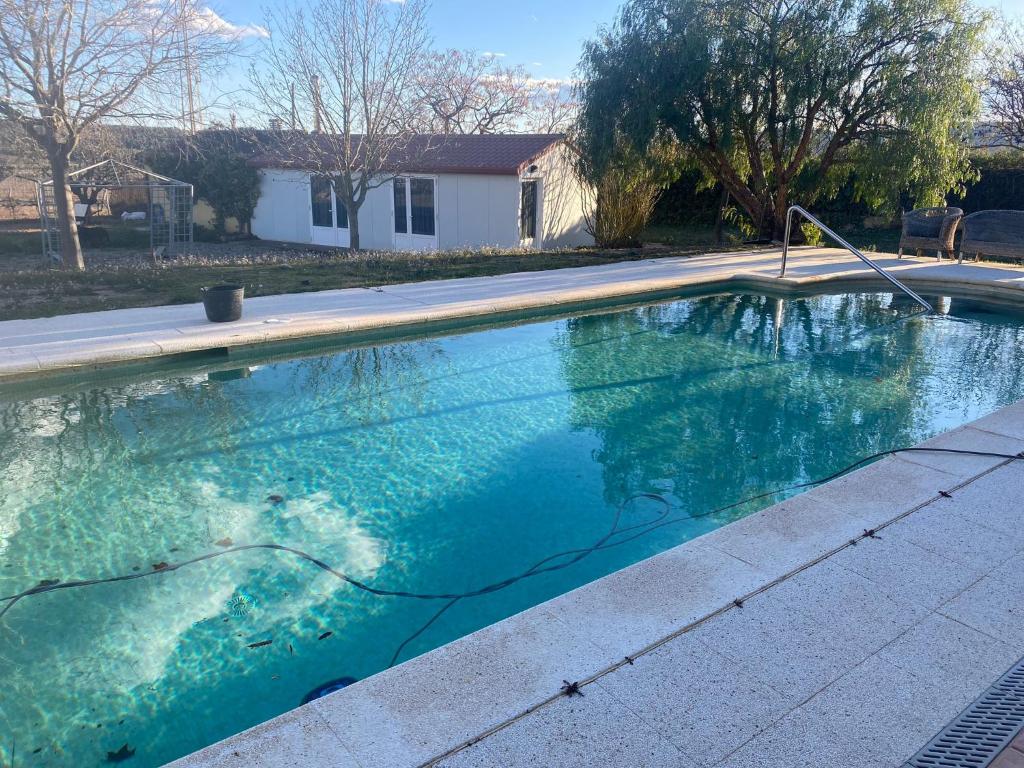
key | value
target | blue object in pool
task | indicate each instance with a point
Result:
(326, 688)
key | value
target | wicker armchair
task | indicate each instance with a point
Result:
(993, 233)
(931, 229)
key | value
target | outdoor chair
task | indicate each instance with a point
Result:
(993, 233)
(931, 229)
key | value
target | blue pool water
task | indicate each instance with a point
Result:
(430, 465)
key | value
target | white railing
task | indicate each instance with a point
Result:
(855, 251)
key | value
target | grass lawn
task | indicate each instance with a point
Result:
(36, 292)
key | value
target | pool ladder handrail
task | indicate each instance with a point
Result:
(855, 251)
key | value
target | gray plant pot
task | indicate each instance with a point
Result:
(223, 303)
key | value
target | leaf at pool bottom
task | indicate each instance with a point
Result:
(325, 635)
(225, 542)
(159, 566)
(260, 644)
(48, 582)
(121, 755)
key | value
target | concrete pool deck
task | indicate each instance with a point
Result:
(31, 348)
(841, 628)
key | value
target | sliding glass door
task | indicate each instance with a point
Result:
(329, 217)
(415, 213)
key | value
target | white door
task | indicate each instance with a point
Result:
(414, 206)
(329, 218)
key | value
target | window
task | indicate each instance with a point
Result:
(400, 214)
(421, 191)
(528, 211)
(320, 193)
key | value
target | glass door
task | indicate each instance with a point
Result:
(415, 213)
(329, 217)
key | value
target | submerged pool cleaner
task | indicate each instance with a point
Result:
(326, 688)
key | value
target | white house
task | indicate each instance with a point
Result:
(507, 190)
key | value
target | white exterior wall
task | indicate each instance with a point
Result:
(562, 202)
(376, 230)
(476, 211)
(283, 210)
(472, 210)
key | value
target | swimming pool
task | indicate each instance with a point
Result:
(430, 465)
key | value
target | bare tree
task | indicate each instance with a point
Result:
(342, 75)
(68, 65)
(467, 92)
(1004, 91)
(552, 109)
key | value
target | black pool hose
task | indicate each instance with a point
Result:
(545, 565)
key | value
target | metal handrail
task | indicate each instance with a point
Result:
(855, 251)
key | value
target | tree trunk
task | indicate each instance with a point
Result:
(67, 228)
(353, 228)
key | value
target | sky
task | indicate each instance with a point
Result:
(544, 36)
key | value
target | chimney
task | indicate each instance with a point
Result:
(315, 84)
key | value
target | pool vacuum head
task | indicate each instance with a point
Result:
(326, 688)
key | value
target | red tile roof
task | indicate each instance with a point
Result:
(497, 154)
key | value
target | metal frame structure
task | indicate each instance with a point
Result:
(855, 251)
(168, 206)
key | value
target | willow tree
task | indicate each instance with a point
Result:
(781, 101)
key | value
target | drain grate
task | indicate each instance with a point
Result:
(981, 731)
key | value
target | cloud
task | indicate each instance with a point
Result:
(537, 64)
(493, 55)
(213, 22)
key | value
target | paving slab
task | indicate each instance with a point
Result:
(906, 572)
(967, 438)
(801, 740)
(992, 607)
(942, 529)
(963, 658)
(878, 492)
(887, 710)
(575, 732)
(662, 595)
(699, 699)
(1011, 572)
(849, 605)
(786, 535)
(1007, 421)
(995, 504)
(420, 709)
(794, 652)
(299, 739)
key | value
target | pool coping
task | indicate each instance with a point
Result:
(71, 344)
(434, 706)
